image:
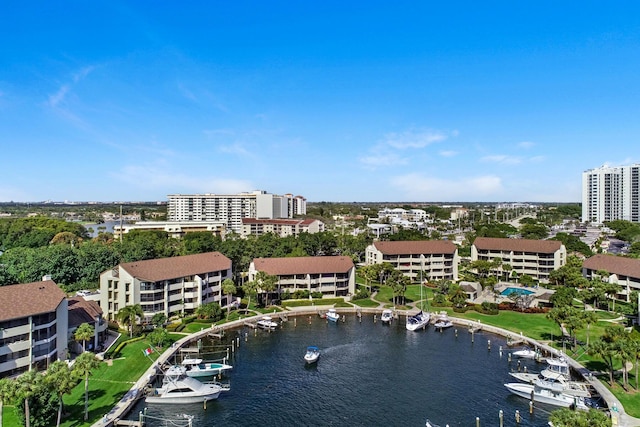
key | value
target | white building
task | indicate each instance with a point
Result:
(280, 227)
(230, 209)
(610, 193)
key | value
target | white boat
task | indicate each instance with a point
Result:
(443, 321)
(267, 323)
(418, 321)
(557, 367)
(430, 424)
(387, 316)
(312, 354)
(332, 315)
(178, 388)
(547, 392)
(526, 353)
(558, 372)
(199, 368)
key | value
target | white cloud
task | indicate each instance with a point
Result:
(58, 97)
(382, 159)
(448, 153)
(407, 140)
(502, 159)
(419, 187)
(537, 159)
(234, 148)
(84, 72)
(526, 144)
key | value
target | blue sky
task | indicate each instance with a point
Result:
(335, 101)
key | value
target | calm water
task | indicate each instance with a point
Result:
(368, 374)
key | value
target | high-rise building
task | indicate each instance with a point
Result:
(231, 209)
(610, 193)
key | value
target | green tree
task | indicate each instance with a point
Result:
(128, 315)
(250, 289)
(6, 393)
(60, 381)
(84, 364)
(158, 319)
(228, 288)
(158, 337)
(210, 310)
(457, 295)
(569, 418)
(84, 333)
(266, 283)
(26, 387)
(563, 296)
(590, 317)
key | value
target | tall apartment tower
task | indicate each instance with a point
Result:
(610, 193)
(231, 209)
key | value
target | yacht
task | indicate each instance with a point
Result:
(387, 316)
(312, 354)
(267, 323)
(549, 392)
(418, 321)
(199, 368)
(443, 321)
(526, 353)
(332, 315)
(178, 388)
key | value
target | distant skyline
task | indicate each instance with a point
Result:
(346, 102)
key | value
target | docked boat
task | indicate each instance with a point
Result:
(179, 388)
(198, 368)
(526, 353)
(312, 354)
(430, 424)
(332, 315)
(548, 392)
(443, 321)
(418, 321)
(387, 316)
(267, 323)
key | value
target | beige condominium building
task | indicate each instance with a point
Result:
(280, 227)
(334, 276)
(427, 259)
(33, 326)
(172, 286)
(620, 270)
(535, 258)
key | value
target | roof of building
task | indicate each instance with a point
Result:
(524, 245)
(415, 247)
(82, 311)
(629, 267)
(304, 265)
(305, 221)
(27, 299)
(155, 270)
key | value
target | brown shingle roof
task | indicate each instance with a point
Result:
(524, 245)
(155, 270)
(82, 311)
(304, 265)
(415, 247)
(26, 299)
(614, 265)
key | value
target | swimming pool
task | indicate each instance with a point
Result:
(520, 291)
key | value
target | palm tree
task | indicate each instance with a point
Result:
(229, 288)
(60, 381)
(589, 317)
(7, 392)
(266, 283)
(84, 333)
(250, 288)
(82, 368)
(26, 387)
(128, 315)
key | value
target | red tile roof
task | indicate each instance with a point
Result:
(155, 270)
(304, 265)
(27, 299)
(629, 267)
(523, 245)
(415, 247)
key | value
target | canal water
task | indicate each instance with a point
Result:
(368, 374)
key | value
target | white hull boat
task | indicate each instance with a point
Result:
(198, 368)
(544, 392)
(387, 316)
(332, 315)
(267, 323)
(178, 388)
(443, 321)
(525, 353)
(312, 355)
(418, 321)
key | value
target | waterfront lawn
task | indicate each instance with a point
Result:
(314, 302)
(107, 385)
(10, 416)
(533, 325)
(366, 303)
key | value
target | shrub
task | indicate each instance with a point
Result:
(362, 293)
(317, 295)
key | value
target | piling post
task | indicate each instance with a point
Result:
(501, 417)
(489, 345)
(517, 416)
(140, 418)
(205, 403)
(246, 336)
(477, 421)
(456, 332)
(509, 357)
(472, 333)
(531, 405)
(295, 323)
(500, 350)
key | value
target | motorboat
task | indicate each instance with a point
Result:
(312, 354)
(430, 424)
(558, 372)
(557, 367)
(526, 353)
(332, 315)
(267, 323)
(179, 388)
(199, 368)
(386, 316)
(418, 321)
(548, 392)
(443, 321)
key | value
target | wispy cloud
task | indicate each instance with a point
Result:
(381, 160)
(526, 145)
(420, 187)
(405, 140)
(502, 159)
(57, 98)
(448, 153)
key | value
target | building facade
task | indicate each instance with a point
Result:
(280, 227)
(535, 258)
(333, 276)
(427, 259)
(175, 229)
(611, 193)
(172, 286)
(33, 326)
(230, 209)
(622, 271)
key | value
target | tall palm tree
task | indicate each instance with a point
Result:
(84, 333)
(250, 288)
(26, 387)
(128, 315)
(59, 380)
(266, 283)
(590, 317)
(82, 368)
(229, 288)
(7, 392)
